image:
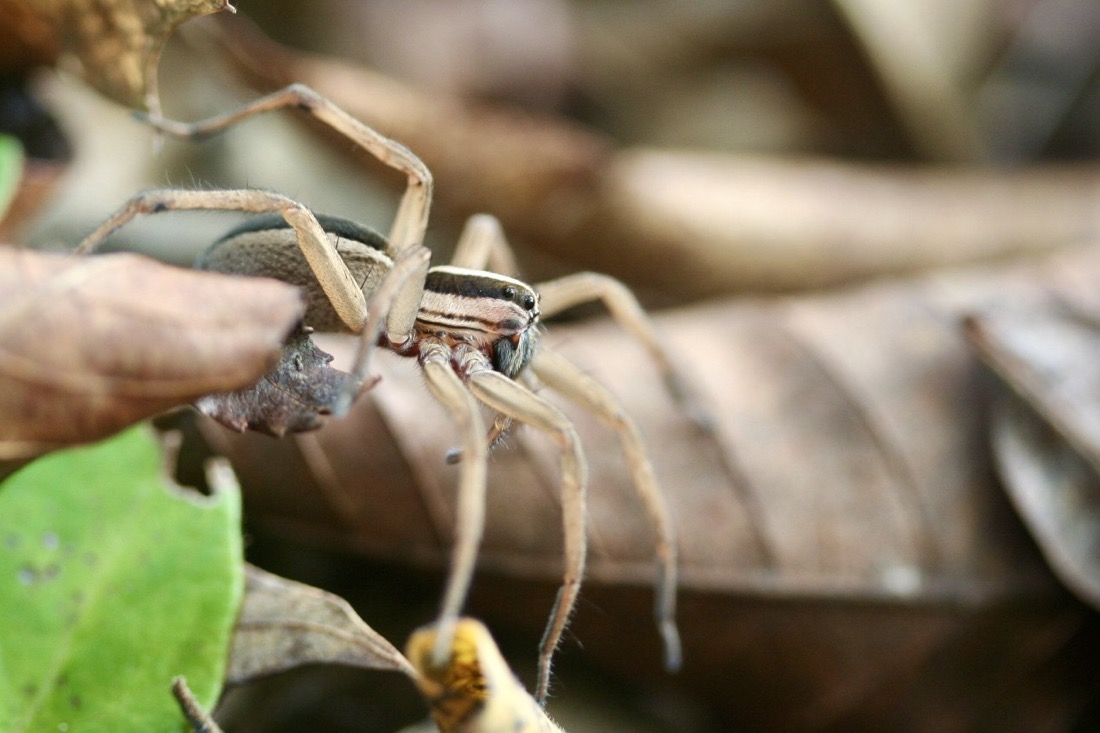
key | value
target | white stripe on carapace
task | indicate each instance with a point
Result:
(482, 274)
(472, 316)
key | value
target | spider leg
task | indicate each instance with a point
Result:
(565, 292)
(409, 264)
(502, 424)
(482, 245)
(506, 396)
(470, 520)
(561, 375)
(331, 272)
(411, 220)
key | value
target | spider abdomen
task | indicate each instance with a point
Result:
(266, 247)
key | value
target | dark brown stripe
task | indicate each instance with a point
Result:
(455, 317)
(469, 286)
(343, 228)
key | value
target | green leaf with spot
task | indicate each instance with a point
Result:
(11, 170)
(112, 581)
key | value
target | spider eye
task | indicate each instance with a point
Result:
(529, 302)
(509, 292)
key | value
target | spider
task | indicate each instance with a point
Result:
(474, 332)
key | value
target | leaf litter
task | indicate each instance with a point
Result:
(91, 345)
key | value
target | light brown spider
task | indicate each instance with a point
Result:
(475, 334)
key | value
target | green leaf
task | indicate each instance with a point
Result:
(11, 170)
(112, 582)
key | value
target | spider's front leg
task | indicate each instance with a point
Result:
(483, 244)
(330, 271)
(510, 398)
(435, 359)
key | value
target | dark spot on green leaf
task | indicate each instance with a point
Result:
(27, 575)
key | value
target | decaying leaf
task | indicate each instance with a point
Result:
(1046, 430)
(284, 624)
(90, 345)
(844, 536)
(292, 397)
(117, 42)
(475, 691)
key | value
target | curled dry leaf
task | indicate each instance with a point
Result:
(475, 691)
(90, 345)
(292, 397)
(844, 536)
(117, 42)
(284, 624)
(1046, 430)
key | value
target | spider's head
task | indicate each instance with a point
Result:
(497, 313)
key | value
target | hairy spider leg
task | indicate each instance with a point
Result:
(411, 221)
(506, 396)
(483, 242)
(561, 375)
(332, 274)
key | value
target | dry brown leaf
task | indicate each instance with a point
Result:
(27, 38)
(292, 397)
(284, 624)
(1046, 430)
(117, 42)
(90, 345)
(475, 691)
(845, 537)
